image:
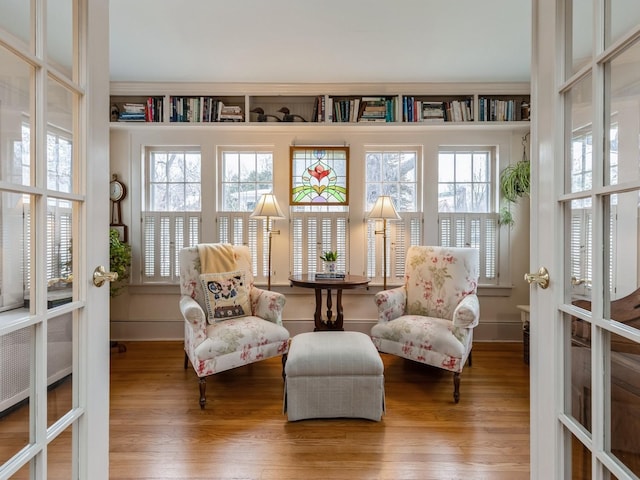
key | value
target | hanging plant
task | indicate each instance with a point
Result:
(119, 262)
(515, 183)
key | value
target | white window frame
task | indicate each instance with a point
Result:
(165, 233)
(401, 234)
(237, 227)
(480, 230)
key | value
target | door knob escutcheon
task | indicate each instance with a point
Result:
(100, 275)
(541, 278)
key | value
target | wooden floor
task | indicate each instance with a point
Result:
(158, 430)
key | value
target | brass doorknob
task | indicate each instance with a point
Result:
(541, 278)
(100, 275)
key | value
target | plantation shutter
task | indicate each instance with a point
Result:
(164, 235)
(401, 234)
(476, 230)
(314, 233)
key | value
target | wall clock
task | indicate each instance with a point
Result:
(117, 193)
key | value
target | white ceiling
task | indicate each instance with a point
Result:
(321, 41)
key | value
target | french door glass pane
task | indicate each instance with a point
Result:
(15, 18)
(59, 456)
(16, 352)
(59, 256)
(620, 257)
(581, 34)
(60, 34)
(623, 88)
(625, 401)
(625, 15)
(579, 164)
(580, 371)
(59, 137)
(59, 367)
(580, 460)
(579, 252)
(16, 108)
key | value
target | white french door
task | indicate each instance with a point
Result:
(54, 175)
(585, 327)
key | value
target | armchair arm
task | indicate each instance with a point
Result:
(467, 313)
(391, 303)
(193, 313)
(267, 304)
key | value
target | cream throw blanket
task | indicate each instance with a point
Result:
(217, 258)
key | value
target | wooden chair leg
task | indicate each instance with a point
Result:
(456, 387)
(203, 388)
(186, 360)
(470, 358)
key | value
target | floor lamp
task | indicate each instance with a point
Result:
(268, 208)
(385, 211)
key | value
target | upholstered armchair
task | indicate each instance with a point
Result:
(430, 319)
(229, 322)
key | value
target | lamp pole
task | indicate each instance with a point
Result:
(384, 254)
(269, 254)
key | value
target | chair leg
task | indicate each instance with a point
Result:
(456, 387)
(186, 360)
(470, 358)
(203, 388)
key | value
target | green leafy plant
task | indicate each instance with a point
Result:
(329, 256)
(119, 262)
(506, 218)
(515, 181)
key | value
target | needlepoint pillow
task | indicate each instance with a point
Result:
(226, 295)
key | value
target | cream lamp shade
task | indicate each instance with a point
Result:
(267, 207)
(384, 209)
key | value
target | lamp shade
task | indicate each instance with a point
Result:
(384, 209)
(267, 207)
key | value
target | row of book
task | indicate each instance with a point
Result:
(357, 109)
(150, 111)
(495, 110)
(414, 110)
(202, 110)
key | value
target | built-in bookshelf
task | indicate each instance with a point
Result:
(137, 108)
(387, 105)
(504, 108)
(437, 108)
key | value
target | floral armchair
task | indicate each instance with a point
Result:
(215, 342)
(430, 319)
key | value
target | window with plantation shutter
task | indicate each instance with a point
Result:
(467, 213)
(246, 174)
(171, 216)
(394, 172)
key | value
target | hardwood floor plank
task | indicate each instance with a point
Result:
(158, 430)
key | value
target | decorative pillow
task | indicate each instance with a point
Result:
(226, 295)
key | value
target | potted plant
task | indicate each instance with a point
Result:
(119, 261)
(329, 258)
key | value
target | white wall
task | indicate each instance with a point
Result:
(148, 312)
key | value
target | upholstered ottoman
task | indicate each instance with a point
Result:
(333, 374)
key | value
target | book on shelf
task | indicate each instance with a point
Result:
(330, 276)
